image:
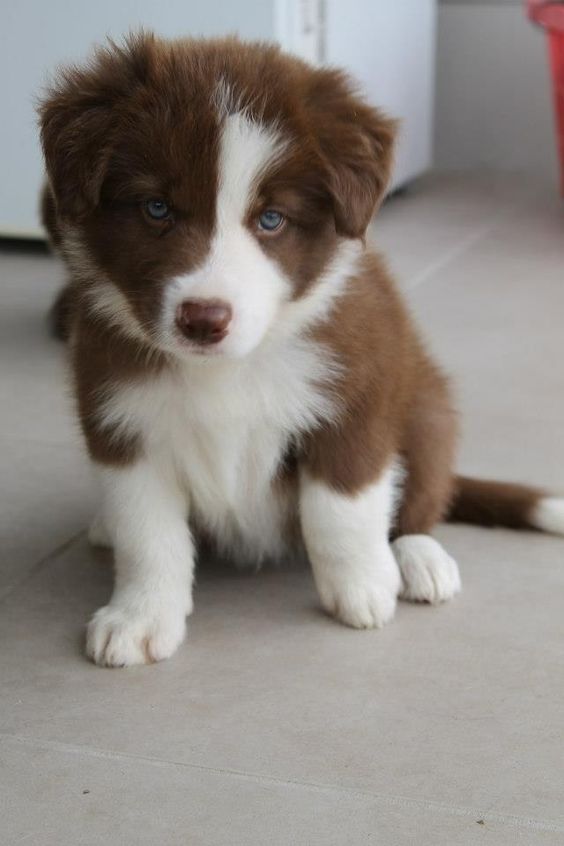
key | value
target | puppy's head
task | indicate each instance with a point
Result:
(205, 190)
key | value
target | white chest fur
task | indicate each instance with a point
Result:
(224, 427)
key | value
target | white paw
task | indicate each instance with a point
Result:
(361, 606)
(429, 574)
(121, 636)
(98, 535)
(363, 600)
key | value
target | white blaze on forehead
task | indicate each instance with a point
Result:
(237, 270)
(247, 149)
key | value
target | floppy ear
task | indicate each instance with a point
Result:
(356, 143)
(79, 124)
(75, 135)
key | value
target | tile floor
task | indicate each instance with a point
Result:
(273, 724)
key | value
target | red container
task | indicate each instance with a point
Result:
(550, 15)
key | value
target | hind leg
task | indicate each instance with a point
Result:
(428, 573)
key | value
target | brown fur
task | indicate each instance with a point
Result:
(60, 315)
(138, 122)
(396, 402)
(101, 359)
(97, 126)
(370, 333)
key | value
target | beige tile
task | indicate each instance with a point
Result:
(30, 275)
(518, 449)
(34, 397)
(494, 318)
(64, 796)
(456, 704)
(438, 217)
(35, 402)
(46, 497)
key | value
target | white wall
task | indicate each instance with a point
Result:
(389, 47)
(493, 106)
(36, 35)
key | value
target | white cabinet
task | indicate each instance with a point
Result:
(388, 45)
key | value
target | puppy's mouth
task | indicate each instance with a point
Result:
(193, 347)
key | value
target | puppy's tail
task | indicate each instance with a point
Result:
(487, 503)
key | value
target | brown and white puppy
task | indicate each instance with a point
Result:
(244, 368)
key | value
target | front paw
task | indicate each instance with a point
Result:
(428, 572)
(362, 606)
(122, 636)
(366, 601)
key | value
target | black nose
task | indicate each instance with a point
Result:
(203, 321)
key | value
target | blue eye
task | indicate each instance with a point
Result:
(270, 220)
(157, 209)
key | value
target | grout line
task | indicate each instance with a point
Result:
(455, 252)
(397, 801)
(35, 568)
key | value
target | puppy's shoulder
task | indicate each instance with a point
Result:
(369, 320)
